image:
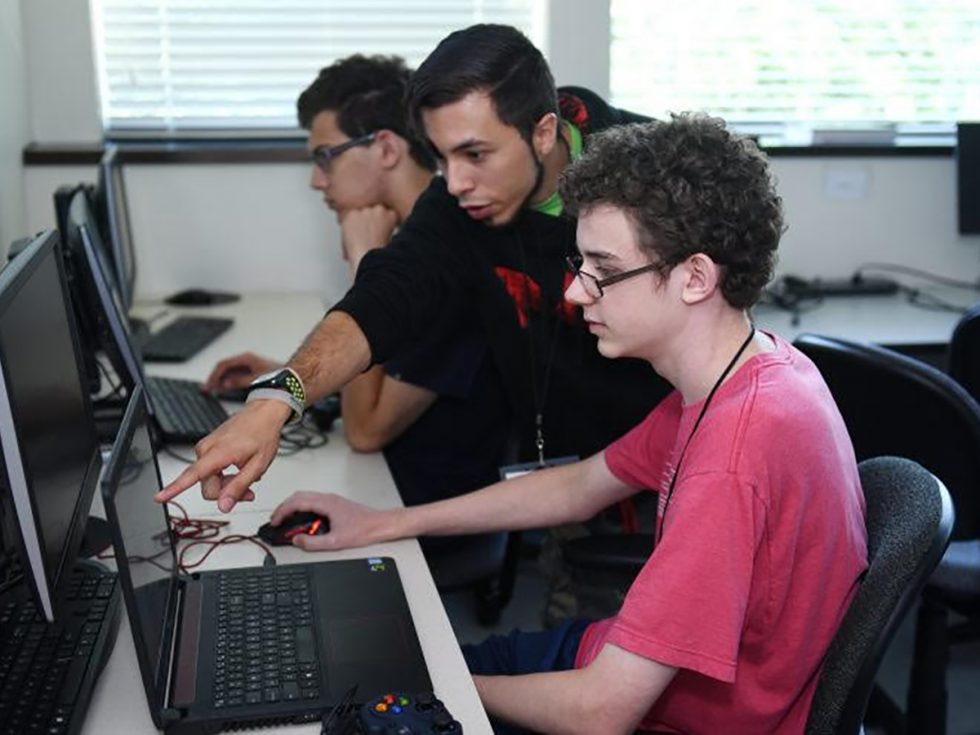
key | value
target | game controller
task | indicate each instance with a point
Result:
(407, 714)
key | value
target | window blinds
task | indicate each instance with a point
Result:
(216, 64)
(807, 64)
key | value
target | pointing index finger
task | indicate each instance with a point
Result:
(205, 466)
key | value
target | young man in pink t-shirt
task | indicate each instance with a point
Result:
(760, 527)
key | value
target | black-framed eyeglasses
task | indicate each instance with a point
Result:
(593, 285)
(323, 155)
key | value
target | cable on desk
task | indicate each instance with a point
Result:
(917, 273)
(296, 438)
(199, 532)
(930, 302)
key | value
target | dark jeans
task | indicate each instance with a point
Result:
(525, 653)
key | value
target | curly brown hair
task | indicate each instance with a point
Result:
(689, 186)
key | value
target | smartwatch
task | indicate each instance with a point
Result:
(281, 385)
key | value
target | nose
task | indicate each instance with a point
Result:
(575, 292)
(458, 181)
(318, 179)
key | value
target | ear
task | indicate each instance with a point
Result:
(702, 277)
(545, 134)
(391, 146)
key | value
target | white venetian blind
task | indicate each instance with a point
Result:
(804, 64)
(207, 64)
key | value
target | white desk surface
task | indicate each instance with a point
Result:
(274, 325)
(886, 320)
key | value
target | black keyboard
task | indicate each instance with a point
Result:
(48, 670)
(265, 650)
(182, 413)
(183, 338)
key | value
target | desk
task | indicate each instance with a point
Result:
(891, 321)
(274, 325)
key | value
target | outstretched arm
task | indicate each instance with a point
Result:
(332, 354)
(543, 498)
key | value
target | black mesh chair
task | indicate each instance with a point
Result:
(909, 521)
(896, 405)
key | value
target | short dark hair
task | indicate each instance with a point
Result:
(497, 59)
(368, 94)
(689, 186)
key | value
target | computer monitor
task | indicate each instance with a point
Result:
(968, 177)
(50, 452)
(87, 328)
(100, 299)
(113, 211)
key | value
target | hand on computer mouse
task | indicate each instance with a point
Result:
(238, 371)
(301, 522)
(351, 524)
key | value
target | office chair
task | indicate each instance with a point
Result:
(909, 517)
(964, 352)
(485, 562)
(895, 405)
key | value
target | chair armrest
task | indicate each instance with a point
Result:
(612, 552)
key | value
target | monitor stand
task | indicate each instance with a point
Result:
(96, 537)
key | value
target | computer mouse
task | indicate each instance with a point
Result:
(302, 522)
(200, 297)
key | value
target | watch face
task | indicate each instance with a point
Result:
(267, 376)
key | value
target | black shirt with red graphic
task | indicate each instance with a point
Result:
(509, 283)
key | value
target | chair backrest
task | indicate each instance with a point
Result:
(909, 517)
(896, 405)
(964, 352)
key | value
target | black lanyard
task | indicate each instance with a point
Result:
(538, 396)
(697, 422)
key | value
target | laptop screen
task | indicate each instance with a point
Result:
(131, 480)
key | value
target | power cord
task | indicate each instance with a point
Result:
(198, 532)
(917, 273)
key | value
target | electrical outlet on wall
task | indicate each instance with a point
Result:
(848, 183)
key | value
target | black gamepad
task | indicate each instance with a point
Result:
(407, 714)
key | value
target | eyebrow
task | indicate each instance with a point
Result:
(599, 255)
(469, 143)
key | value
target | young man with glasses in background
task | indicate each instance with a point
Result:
(760, 534)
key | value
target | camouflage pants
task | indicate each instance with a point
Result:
(580, 593)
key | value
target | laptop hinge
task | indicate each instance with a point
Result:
(168, 712)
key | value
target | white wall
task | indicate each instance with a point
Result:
(62, 86)
(257, 227)
(13, 124)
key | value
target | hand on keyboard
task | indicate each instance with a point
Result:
(238, 371)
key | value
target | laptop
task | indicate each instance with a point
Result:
(255, 646)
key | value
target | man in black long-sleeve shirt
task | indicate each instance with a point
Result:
(485, 243)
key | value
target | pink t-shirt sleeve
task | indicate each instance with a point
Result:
(688, 606)
(646, 445)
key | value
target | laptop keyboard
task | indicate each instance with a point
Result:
(265, 648)
(182, 412)
(183, 338)
(43, 666)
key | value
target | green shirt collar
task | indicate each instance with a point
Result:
(553, 205)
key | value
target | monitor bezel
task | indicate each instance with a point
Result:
(46, 589)
(118, 228)
(155, 681)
